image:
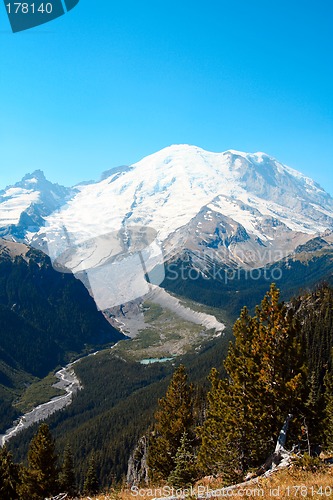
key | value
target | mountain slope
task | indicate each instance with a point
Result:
(55, 305)
(167, 189)
(24, 206)
(46, 318)
(191, 197)
(230, 209)
(230, 288)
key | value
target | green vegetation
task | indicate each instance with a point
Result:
(12, 383)
(295, 275)
(39, 479)
(185, 470)
(279, 366)
(115, 408)
(67, 481)
(166, 335)
(38, 392)
(279, 363)
(46, 319)
(174, 417)
(9, 476)
(91, 484)
(152, 312)
(265, 383)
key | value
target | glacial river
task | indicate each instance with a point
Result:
(68, 382)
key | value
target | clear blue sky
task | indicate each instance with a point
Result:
(113, 81)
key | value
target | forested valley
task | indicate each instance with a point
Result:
(180, 423)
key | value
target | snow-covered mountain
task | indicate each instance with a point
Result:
(234, 208)
(227, 203)
(24, 206)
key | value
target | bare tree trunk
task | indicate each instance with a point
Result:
(280, 453)
(281, 442)
(307, 436)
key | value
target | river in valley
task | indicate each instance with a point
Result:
(68, 382)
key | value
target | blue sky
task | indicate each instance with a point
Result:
(113, 81)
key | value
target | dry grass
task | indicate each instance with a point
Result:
(286, 484)
(297, 483)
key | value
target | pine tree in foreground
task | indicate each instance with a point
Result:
(172, 419)
(40, 478)
(265, 383)
(185, 471)
(67, 475)
(9, 476)
(216, 456)
(91, 483)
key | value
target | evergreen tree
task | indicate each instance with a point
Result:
(314, 415)
(40, 478)
(91, 483)
(281, 366)
(216, 456)
(230, 437)
(67, 475)
(172, 419)
(265, 384)
(9, 476)
(185, 471)
(315, 313)
(329, 411)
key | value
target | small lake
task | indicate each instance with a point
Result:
(148, 361)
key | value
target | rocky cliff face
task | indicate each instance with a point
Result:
(137, 472)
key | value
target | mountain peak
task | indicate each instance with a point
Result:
(235, 152)
(258, 157)
(176, 149)
(35, 176)
(182, 147)
(24, 205)
(168, 188)
(115, 170)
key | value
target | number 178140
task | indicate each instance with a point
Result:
(29, 8)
